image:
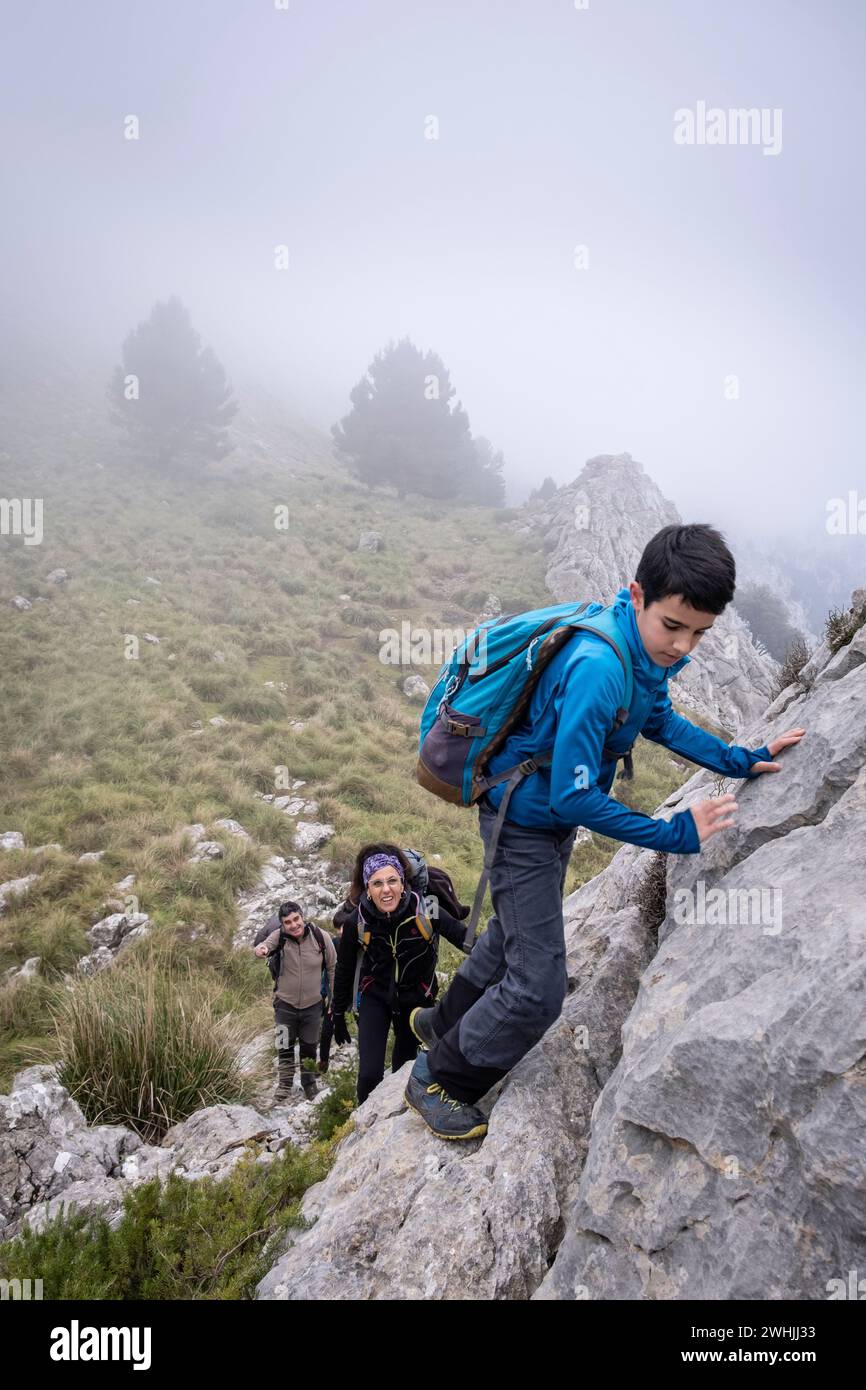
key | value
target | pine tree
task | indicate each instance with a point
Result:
(169, 394)
(402, 429)
(543, 493)
(485, 485)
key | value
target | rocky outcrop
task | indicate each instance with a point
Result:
(692, 1125)
(47, 1148)
(13, 888)
(594, 531)
(111, 936)
(371, 541)
(312, 882)
(50, 1158)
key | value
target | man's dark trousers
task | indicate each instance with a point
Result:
(299, 1026)
(507, 993)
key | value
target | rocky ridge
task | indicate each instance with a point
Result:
(594, 531)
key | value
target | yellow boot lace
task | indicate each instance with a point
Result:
(443, 1096)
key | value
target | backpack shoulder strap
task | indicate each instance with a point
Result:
(320, 942)
(423, 920)
(604, 625)
(363, 943)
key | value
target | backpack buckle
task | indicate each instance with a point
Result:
(463, 730)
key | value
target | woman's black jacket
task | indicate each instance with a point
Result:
(398, 960)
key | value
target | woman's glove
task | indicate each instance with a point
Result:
(341, 1030)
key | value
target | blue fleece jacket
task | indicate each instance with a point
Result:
(572, 711)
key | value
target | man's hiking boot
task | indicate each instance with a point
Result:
(310, 1089)
(446, 1117)
(282, 1095)
(421, 1023)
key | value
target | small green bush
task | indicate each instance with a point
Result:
(292, 586)
(209, 1239)
(254, 706)
(795, 659)
(338, 1105)
(841, 625)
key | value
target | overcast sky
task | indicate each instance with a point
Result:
(307, 126)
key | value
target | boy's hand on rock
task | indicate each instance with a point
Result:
(714, 815)
(777, 746)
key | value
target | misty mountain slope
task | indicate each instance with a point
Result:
(594, 531)
(692, 1125)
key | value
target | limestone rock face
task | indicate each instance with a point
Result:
(692, 1125)
(46, 1148)
(594, 531)
(727, 1156)
(51, 1158)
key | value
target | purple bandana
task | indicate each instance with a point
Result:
(378, 861)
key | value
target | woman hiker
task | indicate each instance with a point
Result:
(386, 962)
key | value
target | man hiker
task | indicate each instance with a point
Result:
(511, 988)
(297, 953)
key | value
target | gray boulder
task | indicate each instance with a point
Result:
(211, 1141)
(206, 850)
(311, 834)
(232, 827)
(415, 687)
(46, 1147)
(112, 929)
(13, 887)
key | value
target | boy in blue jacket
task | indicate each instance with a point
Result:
(510, 990)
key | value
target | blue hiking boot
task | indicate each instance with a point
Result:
(421, 1023)
(446, 1117)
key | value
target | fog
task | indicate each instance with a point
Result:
(712, 326)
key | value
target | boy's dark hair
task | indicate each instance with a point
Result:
(690, 560)
(286, 909)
